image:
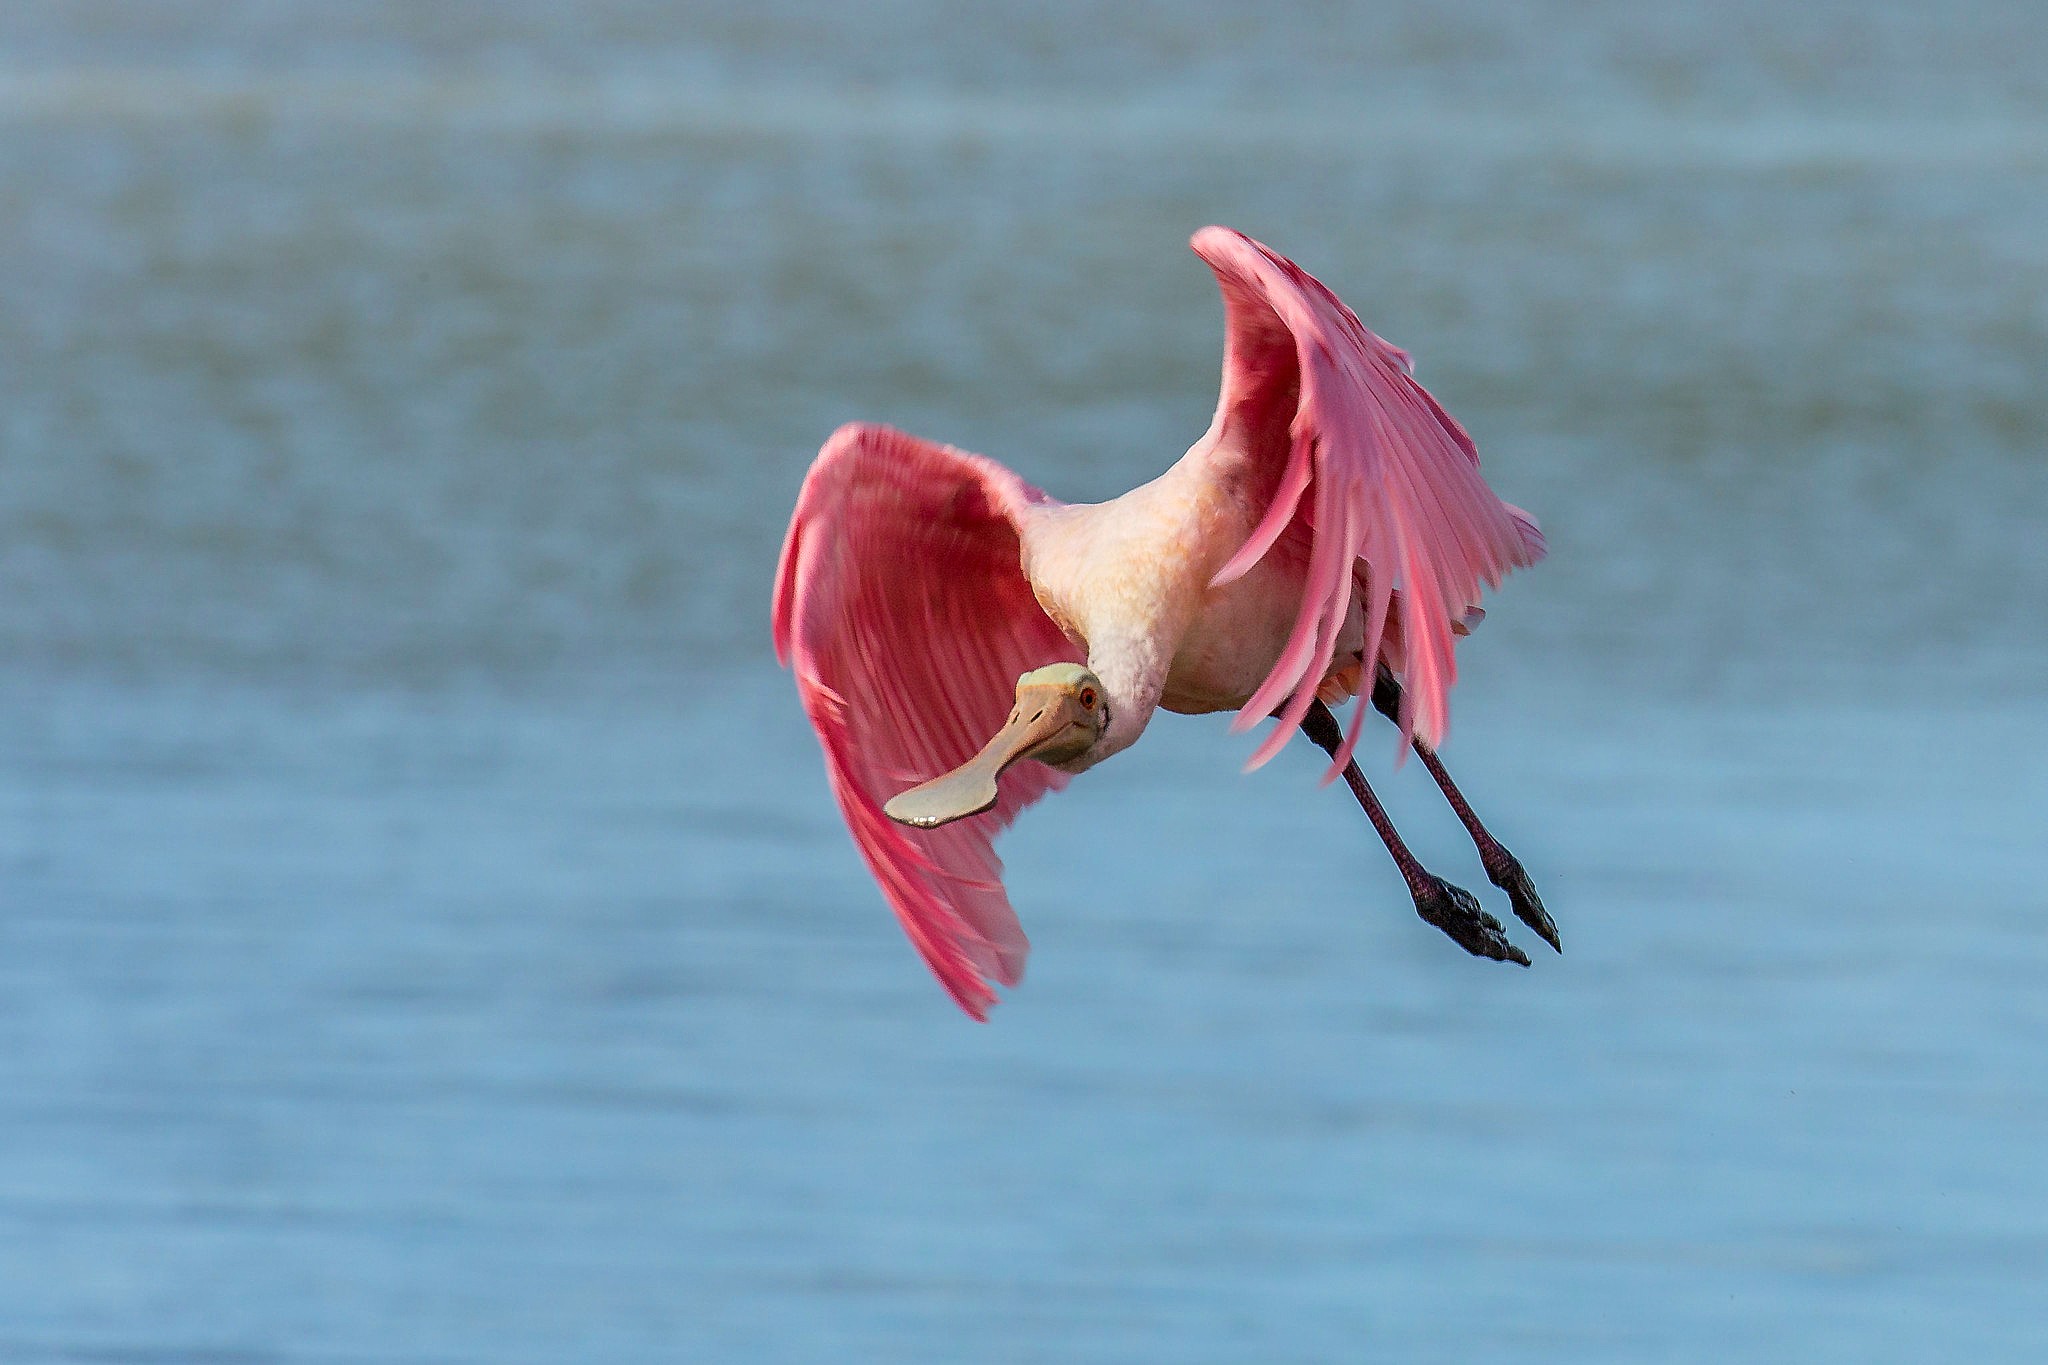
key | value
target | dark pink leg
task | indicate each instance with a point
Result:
(1450, 908)
(1503, 869)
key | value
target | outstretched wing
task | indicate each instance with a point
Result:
(901, 604)
(1373, 470)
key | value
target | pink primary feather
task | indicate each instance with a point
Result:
(902, 605)
(1375, 470)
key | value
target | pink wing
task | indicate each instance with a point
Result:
(1373, 470)
(902, 605)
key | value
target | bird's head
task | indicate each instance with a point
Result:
(1061, 713)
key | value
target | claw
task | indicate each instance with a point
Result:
(1507, 874)
(1453, 910)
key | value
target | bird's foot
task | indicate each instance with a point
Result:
(1506, 872)
(1453, 910)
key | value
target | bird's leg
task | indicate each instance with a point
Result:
(1450, 908)
(1503, 869)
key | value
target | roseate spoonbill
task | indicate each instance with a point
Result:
(1328, 534)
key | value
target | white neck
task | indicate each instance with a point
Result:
(1133, 674)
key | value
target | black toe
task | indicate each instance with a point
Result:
(1453, 910)
(1507, 874)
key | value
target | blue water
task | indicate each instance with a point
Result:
(424, 931)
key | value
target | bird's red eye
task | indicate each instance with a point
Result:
(1088, 697)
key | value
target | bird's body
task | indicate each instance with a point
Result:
(1133, 574)
(1330, 524)
(1132, 582)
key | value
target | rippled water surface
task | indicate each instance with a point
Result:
(424, 931)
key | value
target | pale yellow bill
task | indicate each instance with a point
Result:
(1044, 725)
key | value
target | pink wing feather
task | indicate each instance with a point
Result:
(901, 604)
(1374, 471)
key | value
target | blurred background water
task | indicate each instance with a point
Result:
(424, 931)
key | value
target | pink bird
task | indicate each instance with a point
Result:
(963, 642)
